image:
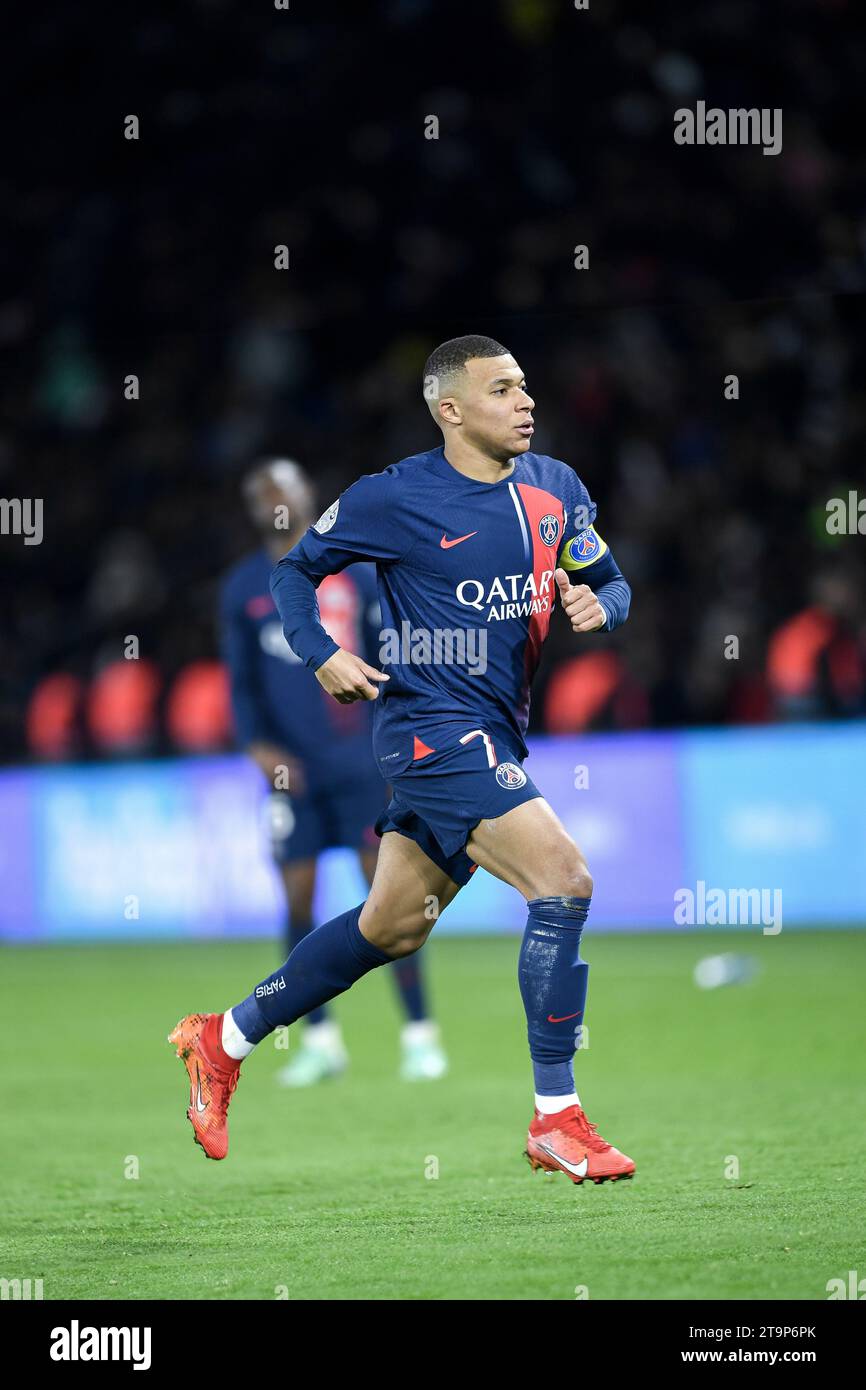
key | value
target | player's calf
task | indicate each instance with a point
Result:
(326, 963)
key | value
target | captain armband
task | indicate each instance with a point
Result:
(583, 550)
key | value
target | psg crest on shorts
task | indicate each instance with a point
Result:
(548, 529)
(510, 776)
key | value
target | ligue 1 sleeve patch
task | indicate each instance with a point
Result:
(583, 550)
(327, 519)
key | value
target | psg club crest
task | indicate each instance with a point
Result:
(510, 776)
(585, 546)
(548, 529)
(327, 519)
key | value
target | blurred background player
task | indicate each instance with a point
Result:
(284, 720)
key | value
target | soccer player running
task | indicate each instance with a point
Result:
(315, 755)
(479, 531)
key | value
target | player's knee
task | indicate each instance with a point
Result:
(569, 877)
(582, 884)
(397, 934)
(406, 944)
(399, 941)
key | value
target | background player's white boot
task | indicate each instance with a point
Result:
(423, 1058)
(320, 1056)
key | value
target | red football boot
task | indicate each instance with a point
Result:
(213, 1076)
(567, 1143)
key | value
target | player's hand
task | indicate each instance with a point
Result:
(279, 767)
(582, 608)
(348, 678)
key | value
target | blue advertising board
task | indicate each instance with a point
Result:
(180, 848)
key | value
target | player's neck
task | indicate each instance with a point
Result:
(465, 458)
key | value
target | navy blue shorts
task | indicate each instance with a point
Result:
(443, 794)
(301, 827)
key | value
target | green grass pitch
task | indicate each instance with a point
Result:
(325, 1193)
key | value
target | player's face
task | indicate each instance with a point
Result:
(496, 407)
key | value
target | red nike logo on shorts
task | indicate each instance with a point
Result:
(446, 544)
(551, 1019)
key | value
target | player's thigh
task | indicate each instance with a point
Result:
(531, 849)
(406, 896)
(299, 881)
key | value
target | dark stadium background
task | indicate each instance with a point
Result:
(261, 127)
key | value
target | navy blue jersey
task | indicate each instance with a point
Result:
(457, 556)
(275, 699)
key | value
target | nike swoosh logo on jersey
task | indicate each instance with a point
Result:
(446, 544)
(578, 1169)
(200, 1105)
(551, 1019)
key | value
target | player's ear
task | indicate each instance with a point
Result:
(450, 411)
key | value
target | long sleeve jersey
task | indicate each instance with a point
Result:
(453, 556)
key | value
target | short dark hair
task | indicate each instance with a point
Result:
(449, 358)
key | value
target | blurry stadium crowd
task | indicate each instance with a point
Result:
(155, 257)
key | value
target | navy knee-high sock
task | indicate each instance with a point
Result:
(325, 963)
(553, 981)
(297, 928)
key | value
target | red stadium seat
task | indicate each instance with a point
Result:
(579, 690)
(121, 706)
(52, 714)
(814, 657)
(794, 651)
(198, 710)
